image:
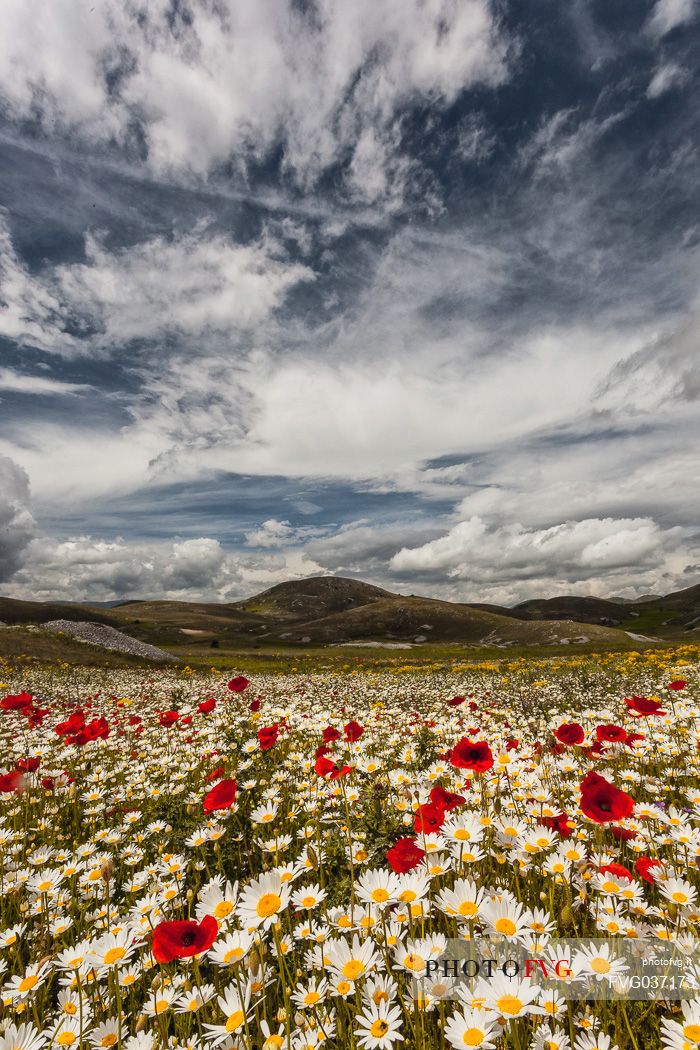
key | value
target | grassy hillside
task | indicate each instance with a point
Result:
(304, 615)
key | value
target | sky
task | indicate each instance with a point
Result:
(403, 290)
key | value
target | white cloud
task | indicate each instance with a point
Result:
(274, 533)
(17, 526)
(233, 79)
(83, 568)
(668, 14)
(595, 555)
(666, 77)
(29, 310)
(15, 382)
(195, 284)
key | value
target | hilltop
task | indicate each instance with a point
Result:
(334, 610)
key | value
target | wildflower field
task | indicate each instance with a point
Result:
(188, 860)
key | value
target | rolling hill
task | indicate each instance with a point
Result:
(671, 615)
(334, 610)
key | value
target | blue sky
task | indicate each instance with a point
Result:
(400, 289)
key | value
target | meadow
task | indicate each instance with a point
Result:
(268, 859)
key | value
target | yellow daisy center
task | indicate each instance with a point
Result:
(268, 904)
(505, 926)
(353, 969)
(509, 1004)
(379, 1027)
(473, 1037)
(234, 1021)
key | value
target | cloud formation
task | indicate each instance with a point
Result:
(195, 87)
(193, 284)
(17, 526)
(87, 568)
(289, 288)
(579, 552)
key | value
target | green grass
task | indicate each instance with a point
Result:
(312, 659)
(33, 646)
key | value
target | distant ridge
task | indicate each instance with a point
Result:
(332, 610)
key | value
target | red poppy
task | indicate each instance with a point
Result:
(560, 824)
(168, 718)
(330, 733)
(470, 754)
(622, 834)
(611, 734)
(183, 938)
(643, 705)
(73, 724)
(569, 733)
(254, 705)
(238, 684)
(216, 773)
(221, 796)
(602, 801)
(405, 855)
(447, 799)
(631, 737)
(29, 765)
(619, 871)
(644, 867)
(206, 706)
(353, 731)
(18, 702)
(13, 781)
(324, 766)
(267, 736)
(680, 683)
(430, 817)
(456, 701)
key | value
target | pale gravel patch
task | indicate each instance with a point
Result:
(109, 638)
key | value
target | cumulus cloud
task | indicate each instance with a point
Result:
(511, 560)
(84, 568)
(232, 80)
(274, 533)
(17, 526)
